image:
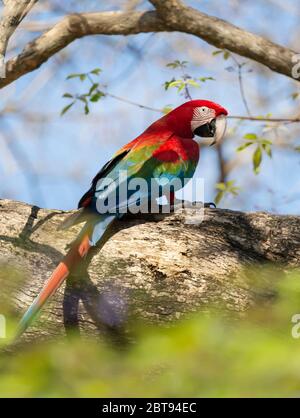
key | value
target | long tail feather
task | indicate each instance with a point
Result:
(73, 219)
(92, 233)
(71, 260)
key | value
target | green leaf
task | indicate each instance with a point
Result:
(66, 108)
(268, 149)
(167, 109)
(176, 83)
(219, 196)
(68, 95)
(97, 96)
(96, 71)
(75, 75)
(177, 64)
(220, 186)
(83, 98)
(257, 158)
(235, 191)
(226, 188)
(181, 87)
(264, 141)
(82, 77)
(219, 51)
(297, 148)
(250, 136)
(230, 183)
(203, 79)
(179, 84)
(226, 55)
(94, 87)
(192, 82)
(86, 109)
(167, 83)
(244, 146)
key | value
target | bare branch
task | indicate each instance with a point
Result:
(73, 27)
(261, 119)
(13, 13)
(241, 83)
(170, 16)
(224, 35)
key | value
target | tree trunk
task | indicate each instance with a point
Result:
(152, 267)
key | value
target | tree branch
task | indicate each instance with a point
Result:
(224, 35)
(142, 269)
(13, 13)
(211, 29)
(73, 27)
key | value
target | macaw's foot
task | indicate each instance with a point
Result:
(210, 205)
(195, 204)
(185, 204)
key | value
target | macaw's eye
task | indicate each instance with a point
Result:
(207, 130)
(203, 109)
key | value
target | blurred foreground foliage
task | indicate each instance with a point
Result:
(204, 355)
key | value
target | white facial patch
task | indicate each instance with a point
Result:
(201, 116)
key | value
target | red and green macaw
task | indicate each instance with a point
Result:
(165, 150)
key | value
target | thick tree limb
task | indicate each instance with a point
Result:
(159, 267)
(171, 16)
(13, 13)
(224, 35)
(73, 27)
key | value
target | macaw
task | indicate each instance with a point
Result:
(166, 151)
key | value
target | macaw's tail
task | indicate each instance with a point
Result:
(90, 235)
(70, 261)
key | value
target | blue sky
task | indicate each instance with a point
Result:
(57, 159)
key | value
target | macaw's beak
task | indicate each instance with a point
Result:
(207, 130)
(214, 129)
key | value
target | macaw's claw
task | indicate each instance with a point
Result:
(210, 205)
(179, 204)
(200, 204)
(192, 205)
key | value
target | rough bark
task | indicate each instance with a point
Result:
(13, 13)
(170, 16)
(155, 267)
(224, 35)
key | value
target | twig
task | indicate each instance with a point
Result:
(153, 109)
(241, 84)
(13, 12)
(187, 93)
(249, 118)
(265, 119)
(122, 99)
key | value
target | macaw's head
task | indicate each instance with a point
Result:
(198, 117)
